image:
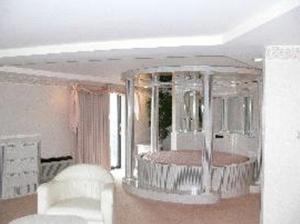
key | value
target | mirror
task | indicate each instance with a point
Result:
(192, 111)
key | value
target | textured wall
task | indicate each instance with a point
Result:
(281, 192)
(37, 109)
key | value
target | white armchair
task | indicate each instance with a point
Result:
(83, 190)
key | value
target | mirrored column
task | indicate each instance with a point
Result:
(129, 141)
(155, 114)
(208, 134)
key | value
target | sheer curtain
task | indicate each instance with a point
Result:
(90, 122)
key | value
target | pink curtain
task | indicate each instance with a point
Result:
(90, 121)
(74, 110)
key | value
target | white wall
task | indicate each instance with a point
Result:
(281, 184)
(37, 109)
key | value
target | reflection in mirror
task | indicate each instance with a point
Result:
(192, 111)
(240, 115)
(236, 115)
(218, 114)
(248, 107)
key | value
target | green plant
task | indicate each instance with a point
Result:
(165, 109)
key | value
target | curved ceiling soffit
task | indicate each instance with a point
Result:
(209, 40)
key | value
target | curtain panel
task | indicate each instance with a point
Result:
(90, 122)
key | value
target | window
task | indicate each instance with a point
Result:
(116, 137)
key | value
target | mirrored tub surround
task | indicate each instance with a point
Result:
(228, 180)
(215, 111)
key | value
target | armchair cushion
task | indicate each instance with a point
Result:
(87, 208)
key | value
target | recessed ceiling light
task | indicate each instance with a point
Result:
(71, 61)
(143, 58)
(50, 62)
(113, 59)
(258, 59)
(175, 57)
(94, 60)
(31, 63)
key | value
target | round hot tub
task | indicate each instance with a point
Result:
(180, 173)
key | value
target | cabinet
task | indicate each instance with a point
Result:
(19, 167)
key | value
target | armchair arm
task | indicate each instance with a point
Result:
(48, 194)
(44, 198)
(107, 202)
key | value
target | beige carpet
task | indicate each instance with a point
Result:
(133, 210)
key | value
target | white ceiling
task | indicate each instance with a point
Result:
(284, 30)
(25, 23)
(239, 29)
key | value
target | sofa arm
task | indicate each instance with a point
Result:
(107, 202)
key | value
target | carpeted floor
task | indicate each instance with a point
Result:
(133, 210)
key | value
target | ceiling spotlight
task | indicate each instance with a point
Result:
(258, 59)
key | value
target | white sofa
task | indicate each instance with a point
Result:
(83, 190)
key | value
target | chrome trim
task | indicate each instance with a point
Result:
(129, 141)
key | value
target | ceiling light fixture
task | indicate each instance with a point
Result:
(258, 59)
